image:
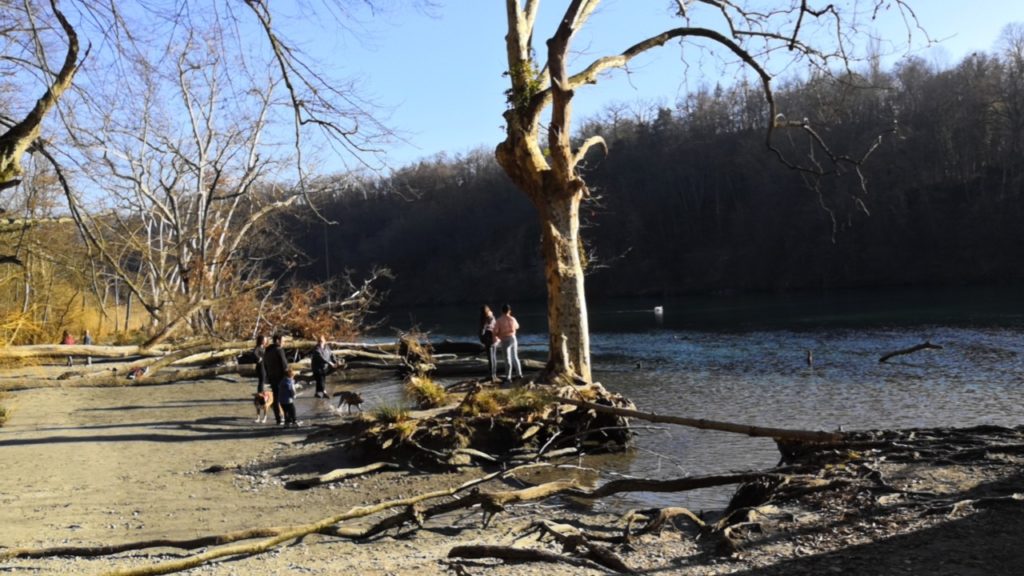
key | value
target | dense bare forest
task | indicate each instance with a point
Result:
(687, 199)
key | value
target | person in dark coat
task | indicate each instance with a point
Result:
(488, 340)
(275, 363)
(259, 351)
(322, 361)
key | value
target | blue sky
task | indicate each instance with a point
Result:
(441, 74)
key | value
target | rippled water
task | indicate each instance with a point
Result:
(762, 378)
(744, 360)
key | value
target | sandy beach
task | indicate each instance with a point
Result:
(95, 466)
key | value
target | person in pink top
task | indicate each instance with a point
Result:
(505, 328)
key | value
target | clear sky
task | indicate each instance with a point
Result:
(441, 74)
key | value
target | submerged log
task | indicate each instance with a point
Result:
(704, 424)
(923, 346)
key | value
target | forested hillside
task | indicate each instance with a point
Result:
(688, 199)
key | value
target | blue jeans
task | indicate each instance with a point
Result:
(511, 347)
(492, 360)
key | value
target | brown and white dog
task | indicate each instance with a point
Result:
(350, 398)
(262, 400)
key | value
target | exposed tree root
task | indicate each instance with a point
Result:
(656, 519)
(513, 554)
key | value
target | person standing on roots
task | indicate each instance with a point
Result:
(488, 340)
(276, 365)
(322, 362)
(287, 389)
(68, 340)
(260, 351)
(505, 328)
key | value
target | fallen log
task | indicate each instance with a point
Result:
(704, 424)
(121, 379)
(77, 350)
(450, 347)
(473, 366)
(923, 346)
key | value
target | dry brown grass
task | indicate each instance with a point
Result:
(425, 392)
(390, 414)
(3, 408)
(493, 402)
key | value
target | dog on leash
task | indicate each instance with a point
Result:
(350, 398)
(263, 401)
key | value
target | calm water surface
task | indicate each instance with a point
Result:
(744, 360)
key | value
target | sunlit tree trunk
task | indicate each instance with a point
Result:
(569, 334)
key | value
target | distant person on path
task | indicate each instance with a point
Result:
(276, 365)
(68, 340)
(87, 340)
(287, 388)
(505, 328)
(488, 339)
(259, 351)
(322, 361)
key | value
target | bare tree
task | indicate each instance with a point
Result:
(167, 196)
(545, 166)
(21, 131)
(188, 182)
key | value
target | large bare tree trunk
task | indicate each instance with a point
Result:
(568, 330)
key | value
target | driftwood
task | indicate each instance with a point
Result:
(923, 346)
(778, 433)
(336, 475)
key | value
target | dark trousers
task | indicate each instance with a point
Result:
(276, 406)
(289, 413)
(321, 379)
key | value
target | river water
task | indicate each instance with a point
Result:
(744, 359)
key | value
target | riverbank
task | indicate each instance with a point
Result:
(107, 466)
